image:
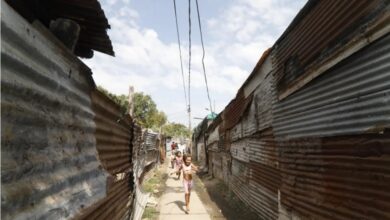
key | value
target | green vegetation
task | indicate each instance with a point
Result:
(145, 109)
(150, 213)
(146, 113)
(121, 100)
(152, 183)
(176, 130)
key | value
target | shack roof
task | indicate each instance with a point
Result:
(87, 13)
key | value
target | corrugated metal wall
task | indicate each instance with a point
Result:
(321, 150)
(239, 180)
(67, 151)
(49, 163)
(325, 29)
(265, 175)
(332, 167)
(145, 158)
(113, 134)
(352, 98)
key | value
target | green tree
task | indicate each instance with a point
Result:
(159, 119)
(176, 130)
(145, 110)
(121, 100)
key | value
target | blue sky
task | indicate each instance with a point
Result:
(143, 33)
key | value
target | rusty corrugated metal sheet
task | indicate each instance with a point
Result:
(113, 134)
(234, 111)
(117, 204)
(319, 34)
(334, 143)
(239, 180)
(145, 157)
(264, 99)
(265, 176)
(237, 132)
(240, 150)
(217, 165)
(88, 14)
(213, 135)
(343, 177)
(49, 164)
(249, 120)
(113, 142)
(351, 98)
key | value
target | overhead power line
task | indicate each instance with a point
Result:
(181, 60)
(189, 55)
(189, 64)
(204, 68)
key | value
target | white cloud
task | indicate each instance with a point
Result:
(238, 36)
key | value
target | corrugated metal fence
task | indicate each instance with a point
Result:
(66, 150)
(314, 142)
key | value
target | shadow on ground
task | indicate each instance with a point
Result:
(220, 201)
(179, 204)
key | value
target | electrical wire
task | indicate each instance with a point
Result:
(189, 56)
(203, 56)
(181, 60)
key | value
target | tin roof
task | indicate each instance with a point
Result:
(87, 13)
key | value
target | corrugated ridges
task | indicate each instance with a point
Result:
(113, 134)
(265, 175)
(344, 177)
(351, 98)
(239, 181)
(321, 32)
(49, 164)
(264, 96)
(240, 150)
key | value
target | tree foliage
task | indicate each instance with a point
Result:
(146, 112)
(145, 109)
(176, 130)
(121, 100)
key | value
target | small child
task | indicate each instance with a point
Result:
(188, 169)
(173, 157)
(178, 162)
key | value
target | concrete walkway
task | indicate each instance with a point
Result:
(172, 203)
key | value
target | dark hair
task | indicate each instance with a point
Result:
(185, 157)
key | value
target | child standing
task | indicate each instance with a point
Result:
(188, 168)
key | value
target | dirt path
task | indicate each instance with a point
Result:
(172, 205)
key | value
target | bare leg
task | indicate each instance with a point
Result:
(188, 201)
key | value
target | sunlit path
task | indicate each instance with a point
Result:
(172, 204)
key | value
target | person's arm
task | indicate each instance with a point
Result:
(194, 167)
(180, 168)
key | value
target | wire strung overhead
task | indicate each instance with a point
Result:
(203, 55)
(181, 60)
(189, 55)
(188, 96)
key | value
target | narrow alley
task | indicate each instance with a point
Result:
(267, 110)
(172, 205)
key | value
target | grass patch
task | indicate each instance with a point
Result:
(150, 213)
(151, 184)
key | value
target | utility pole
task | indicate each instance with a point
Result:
(189, 118)
(189, 127)
(131, 103)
